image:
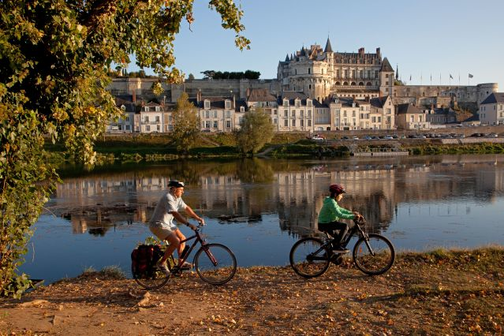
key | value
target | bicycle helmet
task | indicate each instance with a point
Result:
(336, 189)
(176, 184)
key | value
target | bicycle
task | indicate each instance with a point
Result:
(215, 264)
(373, 253)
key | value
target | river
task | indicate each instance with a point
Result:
(260, 207)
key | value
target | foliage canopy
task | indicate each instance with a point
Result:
(55, 57)
(255, 131)
(186, 122)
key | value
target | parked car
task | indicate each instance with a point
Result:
(317, 138)
(492, 135)
(477, 135)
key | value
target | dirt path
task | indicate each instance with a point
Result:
(422, 294)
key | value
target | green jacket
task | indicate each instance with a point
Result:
(332, 212)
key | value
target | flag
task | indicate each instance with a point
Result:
(410, 78)
(451, 77)
(471, 76)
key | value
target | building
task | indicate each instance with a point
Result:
(410, 117)
(491, 110)
(320, 73)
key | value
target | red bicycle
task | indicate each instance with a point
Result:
(215, 263)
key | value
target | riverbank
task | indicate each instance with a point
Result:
(157, 147)
(441, 292)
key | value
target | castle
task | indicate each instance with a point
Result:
(316, 89)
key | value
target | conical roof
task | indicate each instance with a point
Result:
(328, 47)
(386, 67)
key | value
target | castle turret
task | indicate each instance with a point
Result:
(386, 78)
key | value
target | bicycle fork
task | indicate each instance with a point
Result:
(209, 254)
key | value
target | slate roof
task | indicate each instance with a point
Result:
(386, 67)
(408, 109)
(496, 97)
(328, 47)
(261, 95)
(378, 102)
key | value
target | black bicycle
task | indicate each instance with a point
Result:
(373, 253)
(214, 263)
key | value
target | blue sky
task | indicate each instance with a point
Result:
(422, 38)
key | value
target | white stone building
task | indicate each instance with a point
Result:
(491, 110)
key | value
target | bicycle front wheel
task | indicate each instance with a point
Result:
(215, 264)
(152, 278)
(309, 258)
(375, 255)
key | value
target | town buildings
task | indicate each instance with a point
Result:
(316, 89)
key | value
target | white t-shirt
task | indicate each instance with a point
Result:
(162, 216)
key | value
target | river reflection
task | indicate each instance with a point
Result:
(259, 207)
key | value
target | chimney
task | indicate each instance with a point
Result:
(198, 96)
(378, 52)
(361, 51)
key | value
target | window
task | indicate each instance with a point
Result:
(207, 114)
(146, 119)
(207, 104)
(228, 123)
(157, 119)
(294, 123)
(228, 104)
(286, 122)
(215, 124)
(293, 114)
(286, 113)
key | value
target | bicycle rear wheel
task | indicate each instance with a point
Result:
(374, 256)
(152, 278)
(215, 264)
(308, 258)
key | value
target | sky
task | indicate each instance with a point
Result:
(426, 40)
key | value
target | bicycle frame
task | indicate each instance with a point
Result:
(198, 239)
(354, 230)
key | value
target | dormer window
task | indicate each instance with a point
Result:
(309, 102)
(242, 108)
(206, 104)
(227, 104)
(286, 102)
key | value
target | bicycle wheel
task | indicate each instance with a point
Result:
(152, 278)
(215, 264)
(308, 258)
(374, 256)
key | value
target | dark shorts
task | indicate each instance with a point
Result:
(331, 227)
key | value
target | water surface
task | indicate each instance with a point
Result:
(260, 207)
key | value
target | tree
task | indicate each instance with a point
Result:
(55, 57)
(255, 131)
(186, 123)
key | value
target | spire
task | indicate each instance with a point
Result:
(397, 72)
(328, 47)
(287, 58)
(386, 67)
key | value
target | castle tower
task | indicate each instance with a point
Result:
(386, 78)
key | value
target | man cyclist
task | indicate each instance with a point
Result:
(161, 223)
(331, 213)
